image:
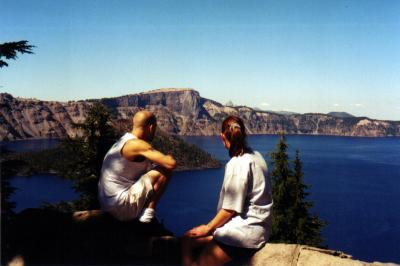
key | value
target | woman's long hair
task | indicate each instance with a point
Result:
(235, 132)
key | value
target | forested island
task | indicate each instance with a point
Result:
(54, 160)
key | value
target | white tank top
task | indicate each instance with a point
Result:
(118, 174)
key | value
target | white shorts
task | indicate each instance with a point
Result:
(131, 202)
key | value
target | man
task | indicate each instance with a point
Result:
(134, 175)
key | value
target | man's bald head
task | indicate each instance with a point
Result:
(143, 119)
(144, 125)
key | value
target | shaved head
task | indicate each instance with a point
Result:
(143, 119)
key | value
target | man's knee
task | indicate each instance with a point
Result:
(163, 171)
(159, 176)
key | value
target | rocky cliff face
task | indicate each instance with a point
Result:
(179, 111)
(30, 118)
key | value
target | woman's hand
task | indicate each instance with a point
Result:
(199, 231)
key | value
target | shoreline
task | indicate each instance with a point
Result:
(249, 135)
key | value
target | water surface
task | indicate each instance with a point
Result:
(354, 185)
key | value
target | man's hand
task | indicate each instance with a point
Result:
(199, 231)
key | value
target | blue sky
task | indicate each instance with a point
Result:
(303, 56)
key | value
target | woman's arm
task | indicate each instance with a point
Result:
(220, 219)
(204, 230)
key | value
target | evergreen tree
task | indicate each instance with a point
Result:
(8, 169)
(98, 136)
(9, 50)
(291, 222)
(281, 193)
(308, 226)
(85, 157)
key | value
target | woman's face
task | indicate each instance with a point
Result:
(225, 141)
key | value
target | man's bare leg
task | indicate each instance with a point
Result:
(159, 179)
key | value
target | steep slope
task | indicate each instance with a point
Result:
(30, 118)
(179, 111)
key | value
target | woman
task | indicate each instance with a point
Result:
(243, 221)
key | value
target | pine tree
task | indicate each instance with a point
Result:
(308, 226)
(8, 169)
(9, 50)
(85, 158)
(292, 222)
(281, 193)
(98, 136)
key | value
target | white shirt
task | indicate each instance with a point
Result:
(118, 174)
(247, 191)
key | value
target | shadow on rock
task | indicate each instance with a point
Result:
(88, 238)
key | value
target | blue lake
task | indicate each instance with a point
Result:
(354, 184)
(35, 190)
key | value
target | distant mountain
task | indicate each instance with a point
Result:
(275, 112)
(229, 103)
(340, 114)
(178, 111)
(284, 112)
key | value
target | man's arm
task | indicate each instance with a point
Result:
(134, 148)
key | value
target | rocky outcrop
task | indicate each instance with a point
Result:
(300, 255)
(179, 111)
(50, 237)
(42, 237)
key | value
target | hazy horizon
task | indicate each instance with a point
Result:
(308, 57)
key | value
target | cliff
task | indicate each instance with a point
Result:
(93, 238)
(30, 118)
(179, 111)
